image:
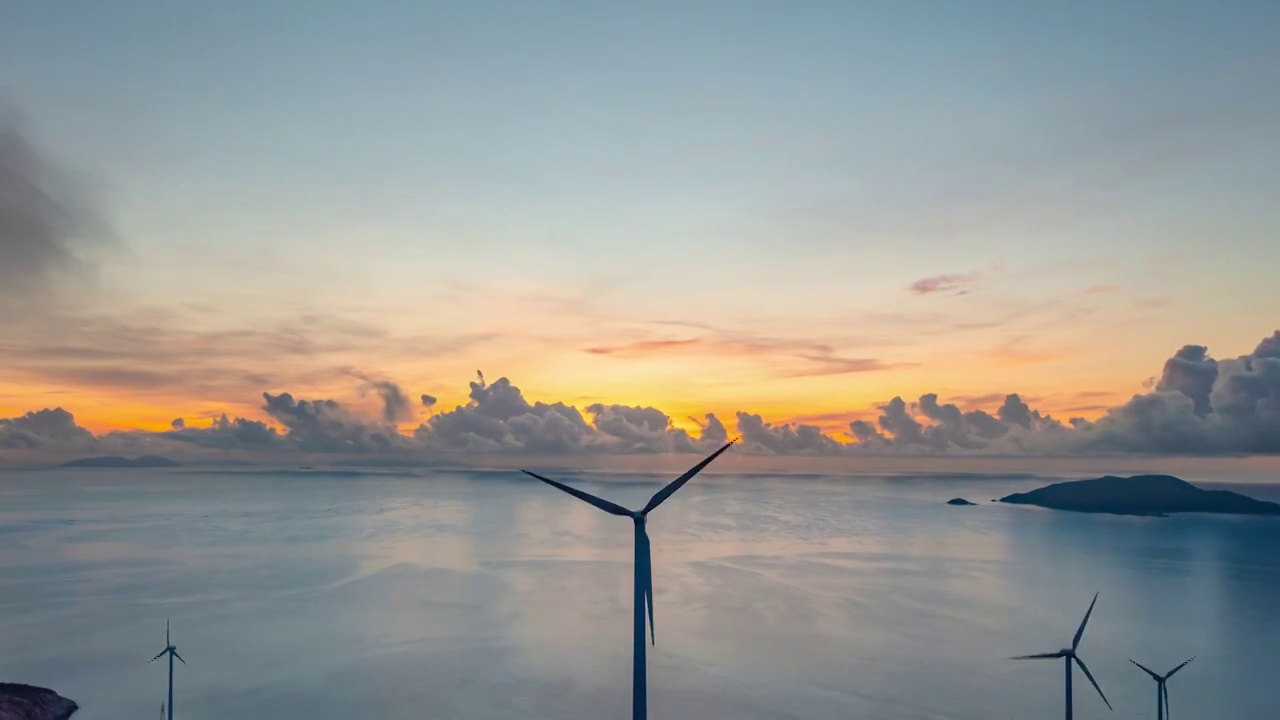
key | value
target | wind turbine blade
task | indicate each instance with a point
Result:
(1164, 692)
(1041, 656)
(647, 578)
(166, 632)
(605, 505)
(1089, 675)
(1075, 641)
(679, 482)
(175, 654)
(157, 657)
(1148, 670)
(1184, 664)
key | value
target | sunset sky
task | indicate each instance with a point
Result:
(799, 210)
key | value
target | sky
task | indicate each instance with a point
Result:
(797, 211)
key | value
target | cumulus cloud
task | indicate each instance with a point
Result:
(643, 428)
(762, 437)
(1197, 405)
(325, 426)
(226, 434)
(50, 429)
(1202, 405)
(498, 418)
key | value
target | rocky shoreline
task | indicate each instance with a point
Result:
(28, 702)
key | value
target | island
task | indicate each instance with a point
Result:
(959, 501)
(114, 461)
(28, 702)
(1140, 495)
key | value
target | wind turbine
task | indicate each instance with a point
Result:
(172, 651)
(643, 568)
(1162, 690)
(1069, 655)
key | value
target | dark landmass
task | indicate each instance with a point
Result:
(959, 501)
(1140, 495)
(114, 461)
(28, 702)
(299, 472)
(398, 462)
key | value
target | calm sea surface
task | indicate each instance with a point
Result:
(487, 595)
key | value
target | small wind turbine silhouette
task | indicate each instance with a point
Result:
(172, 651)
(1069, 655)
(643, 568)
(1162, 690)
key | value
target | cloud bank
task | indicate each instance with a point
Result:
(1198, 406)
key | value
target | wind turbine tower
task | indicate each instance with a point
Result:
(643, 568)
(172, 651)
(1070, 656)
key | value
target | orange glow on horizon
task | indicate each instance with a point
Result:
(101, 412)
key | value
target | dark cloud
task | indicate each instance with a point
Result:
(1201, 406)
(50, 429)
(713, 431)
(395, 404)
(1191, 372)
(1198, 406)
(951, 426)
(227, 434)
(944, 283)
(46, 223)
(897, 421)
(498, 418)
(1015, 412)
(760, 436)
(428, 401)
(325, 426)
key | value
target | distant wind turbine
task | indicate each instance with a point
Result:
(643, 568)
(1162, 690)
(172, 651)
(1069, 655)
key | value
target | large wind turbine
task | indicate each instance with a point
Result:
(1069, 655)
(1162, 690)
(172, 651)
(643, 568)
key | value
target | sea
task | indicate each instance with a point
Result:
(486, 595)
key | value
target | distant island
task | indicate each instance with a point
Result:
(959, 501)
(28, 702)
(115, 461)
(1140, 495)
